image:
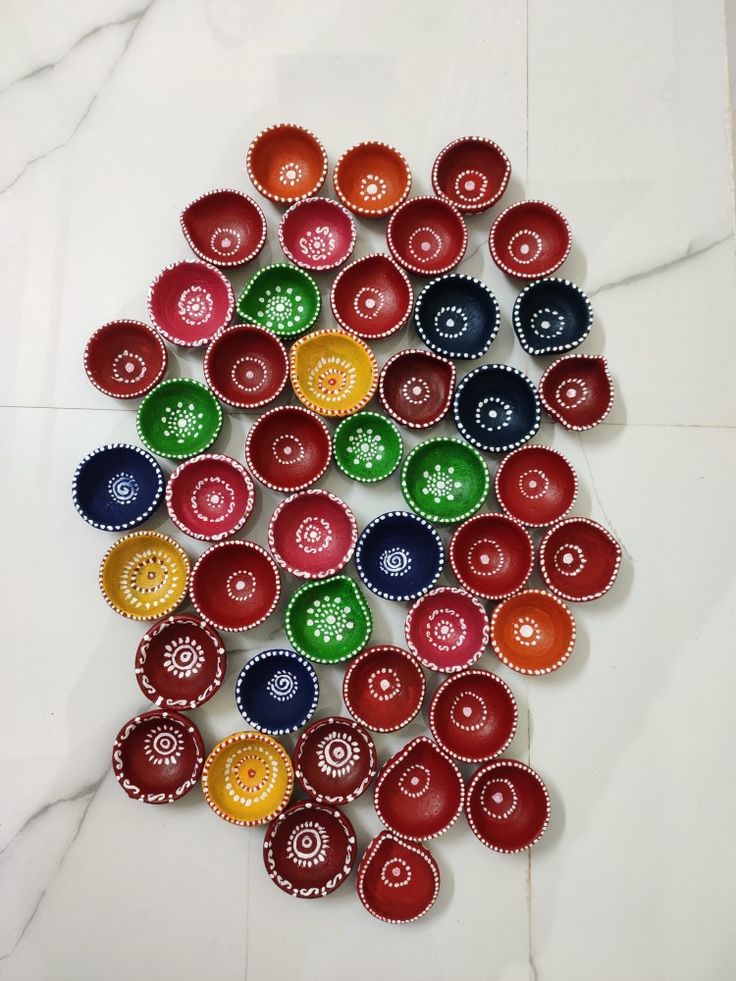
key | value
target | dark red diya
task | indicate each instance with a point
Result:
(577, 391)
(180, 662)
(427, 236)
(224, 227)
(419, 792)
(312, 534)
(246, 366)
(158, 757)
(286, 163)
(383, 688)
(507, 806)
(288, 448)
(415, 387)
(579, 559)
(189, 301)
(309, 849)
(447, 629)
(536, 485)
(317, 234)
(397, 881)
(209, 497)
(335, 760)
(473, 715)
(235, 585)
(372, 178)
(472, 173)
(492, 555)
(530, 239)
(125, 359)
(372, 297)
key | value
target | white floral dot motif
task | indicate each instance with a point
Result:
(571, 393)
(446, 629)
(123, 488)
(533, 483)
(569, 560)
(384, 684)
(468, 711)
(163, 744)
(470, 185)
(330, 618)
(424, 244)
(333, 378)
(290, 173)
(547, 323)
(499, 798)
(365, 447)
(182, 421)
(415, 780)
(337, 754)
(525, 246)
(225, 241)
(288, 450)
(213, 499)
(318, 243)
(183, 657)
(307, 844)
(195, 305)
(486, 557)
(282, 308)
(249, 372)
(493, 413)
(416, 391)
(440, 484)
(526, 631)
(372, 187)
(395, 561)
(249, 777)
(128, 367)
(240, 585)
(147, 580)
(451, 322)
(314, 535)
(368, 302)
(396, 873)
(283, 685)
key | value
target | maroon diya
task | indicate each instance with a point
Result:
(415, 387)
(372, 297)
(210, 497)
(125, 359)
(427, 236)
(180, 662)
(536, 485)
(158, 757)
(288, 448)
(246, 366)
(383, 688)
(189, 301)
(312, 534)
(473, 715)
(447, 629)
(335, 760)
(507, 806)
(492, 555)
(530, 239)
(472, 173)
(224, 227)
(397, 881)
(579, 559)
(577, 391)
(235, 585)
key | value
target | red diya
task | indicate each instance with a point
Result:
(536, 485)
(577, 391)
(472, 173)
(334, 760)
(309, 849)
(312, 534)
(288, 448)
(507, 806)
(158, 757)
(397, 881)
(224, 227)
(533, 632)
(180, 662)
(210, 497)
(492, 555)
(372, 297)
(189, 301)
(246, 366)
(372, 178)
(125, 359)
(447, 629)
(415, 387)
(383, 688)
(530, 239)
(317, 234)
(579, 559)
(235, 585)
(473, 715)
(286, 163)
(419, 791)
(427, 236)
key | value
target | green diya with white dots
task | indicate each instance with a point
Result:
(281, 298)
(367, 447)
(328, 620)
(444, 480)
(179, 418)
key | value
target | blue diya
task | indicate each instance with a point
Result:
(277, 691)
(399, 556)
(496, 408)
(457, 316)
(551, 316)
(117, 486)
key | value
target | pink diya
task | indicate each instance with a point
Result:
(246, 366)
(577, 391)
(383, 688)
(536, 485)
(288, 448)
(427, 236)
(492, 555)
(286, 163)
(334, 760)
(530, 239)
(317, 234)
(472, 173)
(579, 559)
(210, 497)
(158, 757)
(473, 715)
(447, 629)
(415, 387)
(372, 297)
(397, 881)
(224, 227)
(180, 662)
(125, 359)
(312, 534)
(189, 301)
(235, 585)
(507, 806)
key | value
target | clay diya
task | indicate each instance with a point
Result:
(332, 372)
(399, 556)
(496, 408)
(281, 298)
(117, 487)
(125, 359)
(397, 881)
(492, 555)
(457, 316)
(179, 418)
(224, 227)
(427, 236)
(507, 806)
(248, 779)
(210, 497)
(372, 297)
(383, 688)
(144, 575)
(533, 632)
(415, 387)
(158, 756)
(473, 715)
(277, 692)
(189, 301)
(447, 629)
(288, 448)
(286, 163)
(312, 534)
(551, 316)
(530, 239)
(246, 366)
(367, 447)
(328, 620)
(536, 485)
(372, 178)
(472, 173)
(335, 760)
(579, 559)
(419, 792)
(577, 391)
(235, 585)
(444, 480)
(309, 850)
(317, 234)
(180, 662)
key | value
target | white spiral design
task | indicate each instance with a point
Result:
(395, 562)
(283, 685)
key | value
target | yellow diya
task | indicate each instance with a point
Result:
(144, 575)
(248, 778)
(333, 372)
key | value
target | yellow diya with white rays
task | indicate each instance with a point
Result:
(333, 372)
(144, 575)
(248, 778)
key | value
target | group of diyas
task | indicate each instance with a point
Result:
(248, 778)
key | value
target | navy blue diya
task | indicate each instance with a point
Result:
(551, 316)
(457, 316)
(399, 556)
(496, 408)
(277, 691)
(117, 487)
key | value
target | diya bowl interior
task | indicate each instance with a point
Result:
(144, 575)
(457, 316)
(372, 297)
(536, 485)
(447, 629)
(507, 805)
(281, 298)
(125, 359)
(117, 487)
(579, 559)
(277, 691)
(372, 178)
(551, 316)
(530, 239)
(399, 555)
(288, 448)
(158, 756)
(248, 778)
(317, 234)
(492, 555)
(496, 408)
(328, 620)
(577, 391)
(333, 372)
(335, 760)
(312, 534)
(383, 688)
(473, 715)
(189, 302)
(397, 881)
(427, 236)
(444, 480)
(246, 366)
(179, 418)
(224, 227)
(533, 632)
(367, 447)
(471, 172)
(180, 662)
(415, 387)
(210, 497)
(235, 585)
(286, 163)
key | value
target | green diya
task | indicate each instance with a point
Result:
(328, 620)
(281, 298)
(367, 447)
(444, 480)
(179, 418)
